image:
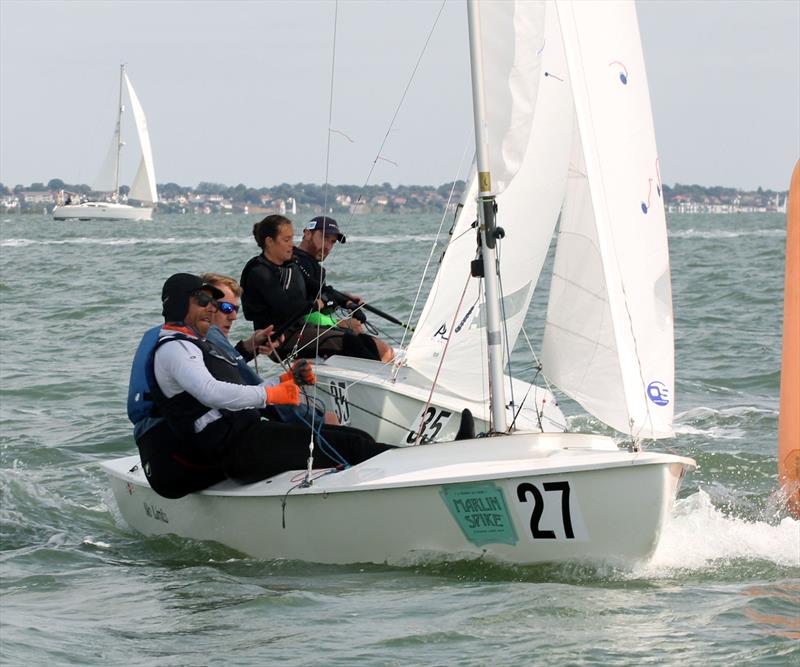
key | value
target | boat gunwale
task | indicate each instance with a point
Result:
(287, 481)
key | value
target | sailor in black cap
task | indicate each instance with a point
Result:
(212, 426)
(319, 237)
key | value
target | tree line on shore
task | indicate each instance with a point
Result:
(342, 197)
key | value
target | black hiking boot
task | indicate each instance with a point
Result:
(466, 430)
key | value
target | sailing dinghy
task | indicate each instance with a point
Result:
(143, 188)
(516, 495)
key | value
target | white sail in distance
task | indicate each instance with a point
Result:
(104, 182)
(143, 187)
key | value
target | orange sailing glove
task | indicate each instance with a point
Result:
(286, 393)
(301, 372)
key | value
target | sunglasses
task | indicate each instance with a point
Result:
(226, 307)
(202, 299)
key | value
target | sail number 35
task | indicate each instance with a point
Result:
(429, 425)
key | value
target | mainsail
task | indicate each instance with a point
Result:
(105, 179)
(608, 339)
(513, 36)
(528, 208)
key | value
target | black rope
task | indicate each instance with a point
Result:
(301, 484)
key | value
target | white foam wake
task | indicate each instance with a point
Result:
(700, 536)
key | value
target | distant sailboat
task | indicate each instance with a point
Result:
(144, 184)
(789, 416)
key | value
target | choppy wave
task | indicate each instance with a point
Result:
(724, 233)
(733, 422)
(243, 239)
(397, 238)
(79, 241)
(68, 555)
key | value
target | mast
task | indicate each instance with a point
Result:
(487, 224)
(118, 133)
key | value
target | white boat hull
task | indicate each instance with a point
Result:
(102, 211)
(525, 498)
(365, 394)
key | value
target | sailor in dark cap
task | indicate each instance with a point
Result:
(319, 237)
(280, 291)
(177, 293)
(210, 421)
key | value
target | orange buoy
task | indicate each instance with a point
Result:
(789, 416)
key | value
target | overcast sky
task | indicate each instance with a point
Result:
(238, 92)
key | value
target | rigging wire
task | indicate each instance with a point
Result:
(296, 350)
(522, 404)
(547, 384)
(397, 111)
(308, 480)
(505, 329)
(441, 360)
(410, 317)
(377, 415)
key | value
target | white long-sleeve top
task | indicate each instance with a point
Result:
(178, 366)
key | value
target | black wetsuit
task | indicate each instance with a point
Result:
(283, 295)
(274, 294)
(311, 269)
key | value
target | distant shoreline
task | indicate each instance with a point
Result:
(304, 198)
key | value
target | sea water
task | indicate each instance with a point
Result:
(81, 588)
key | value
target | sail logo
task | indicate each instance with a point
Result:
(646, 205)
(623, 71)
(658, 393)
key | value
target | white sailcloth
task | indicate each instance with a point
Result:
(105, 180)
(608, 338)
(527, 209)
(144, 183)
(512, 40)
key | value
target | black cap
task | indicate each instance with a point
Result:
(326, 225)
(176, 292)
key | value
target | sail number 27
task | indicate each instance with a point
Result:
(528, 490)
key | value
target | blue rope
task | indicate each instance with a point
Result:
(325, 446)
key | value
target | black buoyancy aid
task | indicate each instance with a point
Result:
(260, 277)
(182, 410)
(312, 270)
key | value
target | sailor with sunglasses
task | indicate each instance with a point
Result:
(244, 351)
(208, 424)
